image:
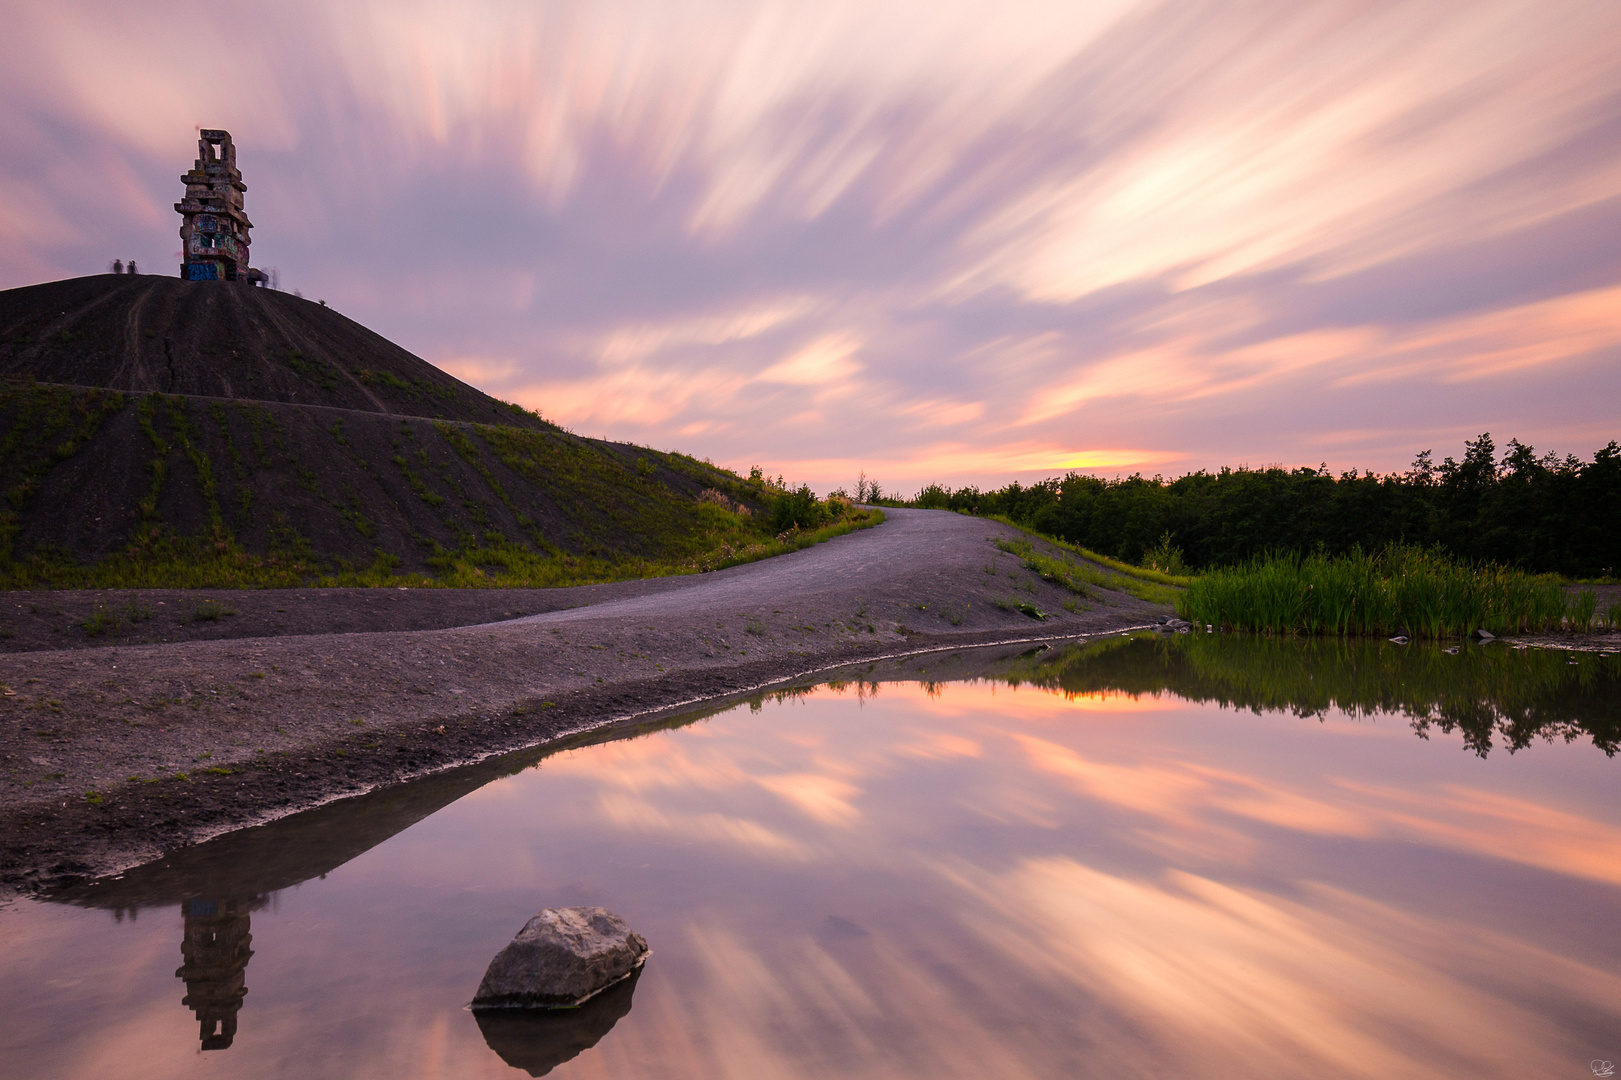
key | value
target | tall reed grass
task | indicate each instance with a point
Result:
(1401, 590)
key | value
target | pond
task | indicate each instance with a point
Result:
(1196, 856)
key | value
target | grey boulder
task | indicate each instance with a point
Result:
(539, 1040)
(561, 958)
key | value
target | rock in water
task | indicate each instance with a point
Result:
(539, 1040)
(561, 957)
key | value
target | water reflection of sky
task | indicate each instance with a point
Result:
(974, 881)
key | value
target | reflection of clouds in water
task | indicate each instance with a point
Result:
(990, 883)
(1187, 799)
(1194, 809)
(1118, 976)
(859, 1006)
(936, 745)
(653, 764)
(1501, 827)
(825, 799)
(641, 815)
(1151, 789)
(1227, 981)
(798, 770)
(1238, 982)
(1110, 972)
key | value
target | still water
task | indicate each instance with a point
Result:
(1207, 857)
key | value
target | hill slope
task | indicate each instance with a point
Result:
(175, 432)
(180, 337)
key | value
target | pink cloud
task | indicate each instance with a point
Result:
(923, 240)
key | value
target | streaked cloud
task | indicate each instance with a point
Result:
(1216, 974)
(823, 798)
(944, 242)
(1183, 797)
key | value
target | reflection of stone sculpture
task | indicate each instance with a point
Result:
(539, 1040)
(561, 958)
(215, 948)
(214, 227)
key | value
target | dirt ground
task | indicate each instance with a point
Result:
(164, 730)
(33, 621)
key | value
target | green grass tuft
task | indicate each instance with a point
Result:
(210, 611)
(1422, 593)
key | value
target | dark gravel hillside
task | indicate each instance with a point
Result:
(218, 339)
(205, 433)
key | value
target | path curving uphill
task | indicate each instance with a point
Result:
(115, 754)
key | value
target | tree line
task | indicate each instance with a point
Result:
(1542, 514)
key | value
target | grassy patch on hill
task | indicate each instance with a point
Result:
(110, 490)
(1145, 583)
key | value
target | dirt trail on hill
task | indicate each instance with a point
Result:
(114, 754)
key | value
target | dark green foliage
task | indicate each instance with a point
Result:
(1539, 514)
(798, 509)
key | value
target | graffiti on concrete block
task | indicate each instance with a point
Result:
(213, 225)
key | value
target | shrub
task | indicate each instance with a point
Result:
(1165, 557)
(799, 510)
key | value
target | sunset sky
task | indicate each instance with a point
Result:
(944, 241)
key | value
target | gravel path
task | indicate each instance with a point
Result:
(114, 754)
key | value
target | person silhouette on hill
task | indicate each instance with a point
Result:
(118, 266)
(132, 269)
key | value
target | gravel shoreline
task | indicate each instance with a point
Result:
(114, 754)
